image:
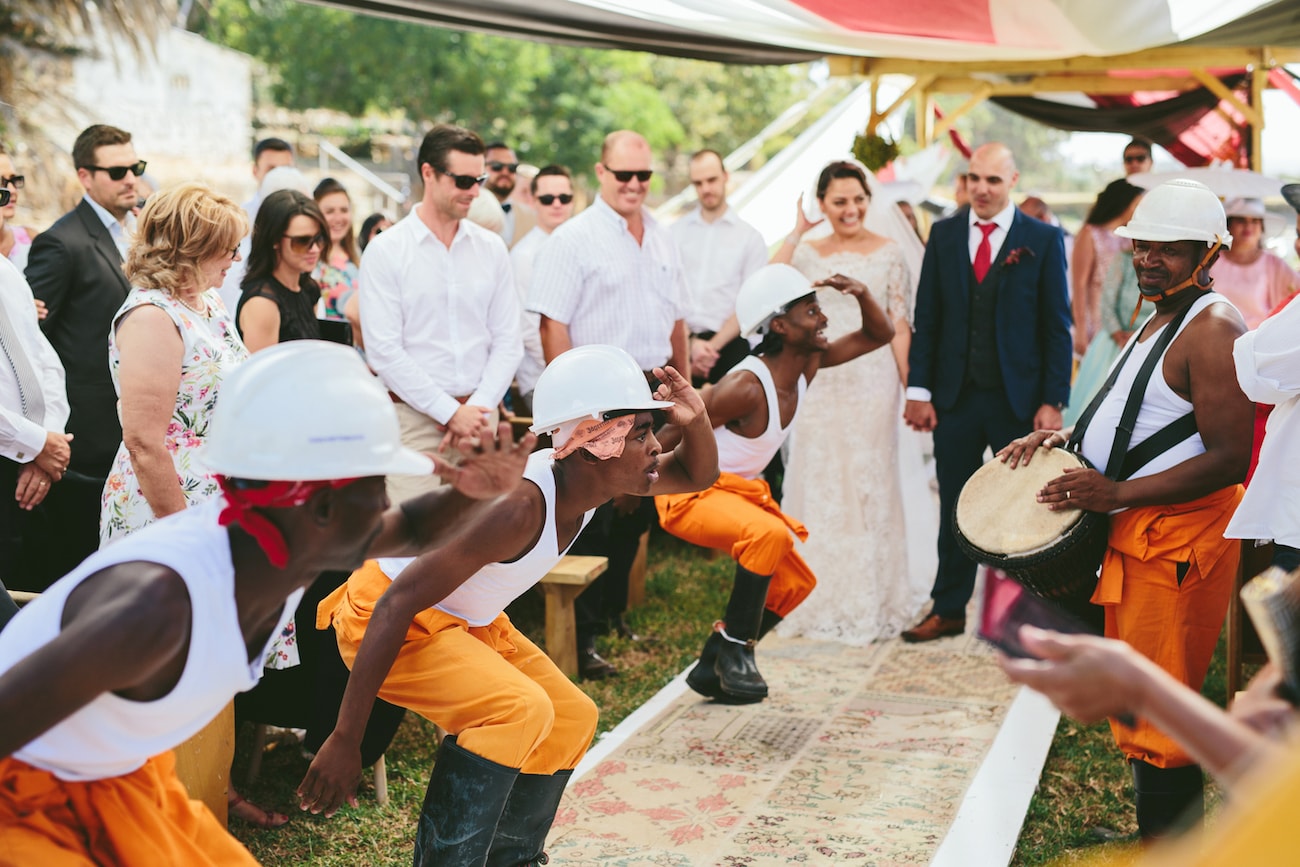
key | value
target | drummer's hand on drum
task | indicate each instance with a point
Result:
(1081, 488)
(920, 415)
(1021, 451)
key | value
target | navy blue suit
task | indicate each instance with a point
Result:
(1031, 333)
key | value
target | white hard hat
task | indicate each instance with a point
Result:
(766, 293)
(304, 411)
(1179, 210)
(587, 382)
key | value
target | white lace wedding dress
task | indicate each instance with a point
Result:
(856, 476)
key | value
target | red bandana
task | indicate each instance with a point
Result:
(242, 505)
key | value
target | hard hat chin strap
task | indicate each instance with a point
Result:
(1192, 280)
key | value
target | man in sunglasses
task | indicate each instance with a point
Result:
(1137, 156)
(438, 307)
(75, 268)
(613, 275)
(503, 175)
(552, 190)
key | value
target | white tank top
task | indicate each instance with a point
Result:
(111, 735)
(487, 592)
(747, 457)
(1161, 405)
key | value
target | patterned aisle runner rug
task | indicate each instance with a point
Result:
(859, 756)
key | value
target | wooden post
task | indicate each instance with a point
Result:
(560, 587)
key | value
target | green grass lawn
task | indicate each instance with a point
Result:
(1085, 783)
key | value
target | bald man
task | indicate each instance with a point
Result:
(990, 357)
(613, 275)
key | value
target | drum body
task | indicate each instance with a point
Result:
(1000, 523)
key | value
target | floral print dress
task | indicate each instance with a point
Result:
(212, 349)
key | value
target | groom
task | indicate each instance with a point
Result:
(990, 357)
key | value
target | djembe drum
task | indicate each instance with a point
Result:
(1000, 523)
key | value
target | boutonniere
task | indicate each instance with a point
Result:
(1013, 256)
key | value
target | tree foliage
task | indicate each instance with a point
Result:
(556, 103)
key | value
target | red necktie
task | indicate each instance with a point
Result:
(984, 254)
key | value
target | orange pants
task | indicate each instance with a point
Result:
(1166, 582)
(144, 817)
(738, 515)
(490, 686)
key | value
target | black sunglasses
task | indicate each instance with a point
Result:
(303, 243)
(15, 181)
(464, 182)
(549, 198)
(503, 167)
(5, 196)
(119, 172)
(642, 175)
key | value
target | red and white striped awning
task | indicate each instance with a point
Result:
(776, 31)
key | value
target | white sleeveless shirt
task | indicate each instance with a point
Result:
(112, 736)
(1161, 405)
(487, 592)
(745, 456)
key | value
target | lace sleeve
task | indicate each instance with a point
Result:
(900, 292)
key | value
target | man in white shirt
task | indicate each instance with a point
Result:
(34, 450)
(75, 268)
(719, 250)
(438, 307)
(552, 190)
(503, 176)
(612, 275)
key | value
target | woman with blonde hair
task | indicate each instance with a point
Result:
(171, 343)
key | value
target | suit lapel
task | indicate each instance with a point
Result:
(962, 254)
(104, 245)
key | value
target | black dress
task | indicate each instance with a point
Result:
(297, 309)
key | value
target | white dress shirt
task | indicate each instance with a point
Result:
(1268, 371)
(21, 439)
(592, 276)
(1003, 220)
(717, 258)
(122, 233)
(440, 322)
(521, 260)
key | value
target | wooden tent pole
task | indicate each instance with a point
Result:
(1258, 81)
(945, 123)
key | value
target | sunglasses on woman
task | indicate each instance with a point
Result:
(119, 172)
(302, 243)
(642, 175)
(549, 198)
(15, 181)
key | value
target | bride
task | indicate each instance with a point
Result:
(855, 474)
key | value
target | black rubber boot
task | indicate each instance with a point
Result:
(466, 796)
(1169, 800)
(702, 678)
(737, 672)
(526, 820)
(770, 620)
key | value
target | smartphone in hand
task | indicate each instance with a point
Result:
(1008, 606)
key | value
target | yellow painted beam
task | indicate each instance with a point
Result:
(945, 123)
(1219, 89)
(1169, 57)
(918, 85)
(1062, 84)
(1257, 78)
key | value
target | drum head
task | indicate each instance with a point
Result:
(998, 510)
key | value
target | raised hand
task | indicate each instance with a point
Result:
(488, 467)
(687, 405)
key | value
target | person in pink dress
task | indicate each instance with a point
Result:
(1253, 279)
(1095, 248)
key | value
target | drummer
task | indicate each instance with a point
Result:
(1168, 572)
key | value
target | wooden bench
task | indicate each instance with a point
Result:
(560, 587)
